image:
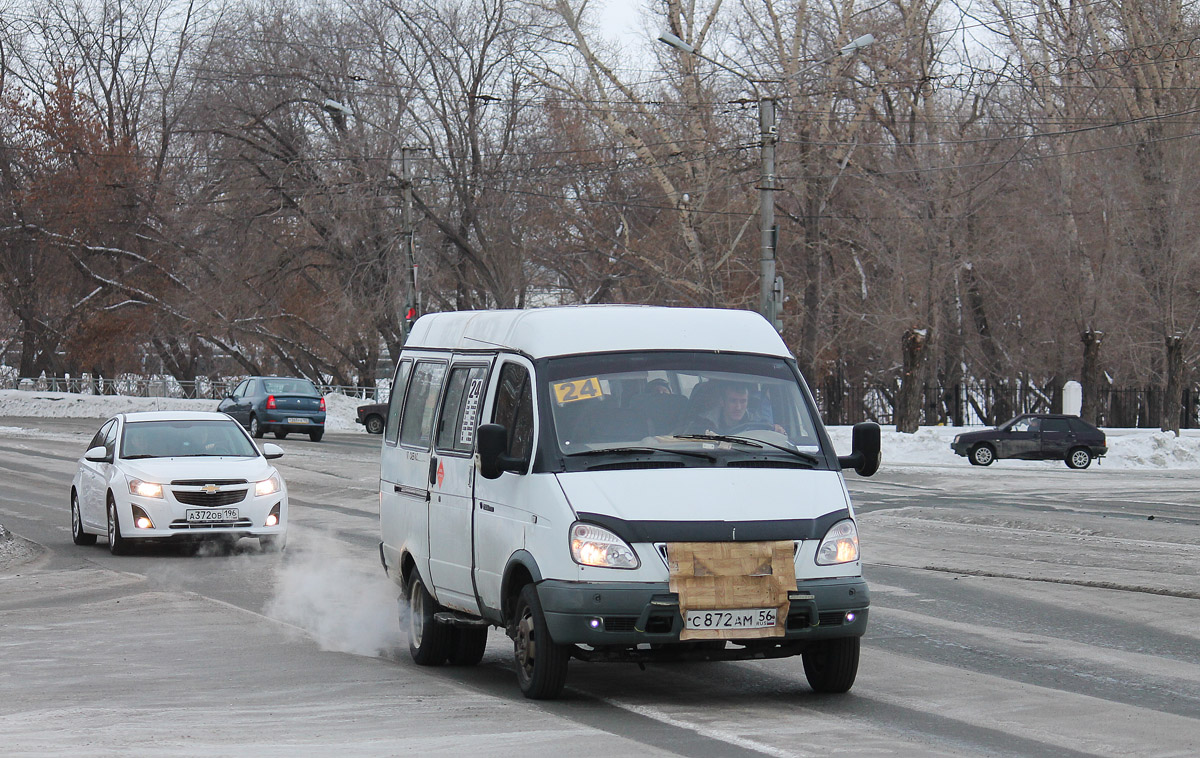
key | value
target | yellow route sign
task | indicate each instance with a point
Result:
(577, 389)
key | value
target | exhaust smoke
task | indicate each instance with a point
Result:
(338, 595)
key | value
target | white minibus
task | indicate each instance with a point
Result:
(618, 483)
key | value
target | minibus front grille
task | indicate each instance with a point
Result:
(833, 618)
(661, 547)
(620, 623)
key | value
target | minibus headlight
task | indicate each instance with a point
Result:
(840, 544)
(593, 545)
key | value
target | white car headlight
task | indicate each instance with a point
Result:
(840, 544)
(144, 489)
(267, 486)
(593, 545)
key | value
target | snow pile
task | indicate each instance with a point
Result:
(1127, 448)
(15, 550)
(930, 445)
(340, 410)
(1153, 449)
(69, 405)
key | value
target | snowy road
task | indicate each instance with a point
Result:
(1019, 610)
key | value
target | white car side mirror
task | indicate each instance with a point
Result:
(97, 454)
(271, 451)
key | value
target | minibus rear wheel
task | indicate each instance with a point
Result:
(832, 665)
(428, 641)
(541, 664)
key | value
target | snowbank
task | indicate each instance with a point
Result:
(339, 414)
(1127, 448)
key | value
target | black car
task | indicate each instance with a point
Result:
(279, 404)
(372, 416)
(1039, 437)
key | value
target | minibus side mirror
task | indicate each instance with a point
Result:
(865, 446)
(491, 441)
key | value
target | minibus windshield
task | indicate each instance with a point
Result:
(679, 401)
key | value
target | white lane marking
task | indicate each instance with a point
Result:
(704, 731)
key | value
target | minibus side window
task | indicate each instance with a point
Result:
(514, 409)
(416, 424)
(460, 409)
(396, 401)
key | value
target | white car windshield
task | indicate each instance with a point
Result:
(178, 439)
(677, 401)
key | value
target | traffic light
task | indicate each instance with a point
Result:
(410, 315)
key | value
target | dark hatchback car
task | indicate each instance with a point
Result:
(1042, 437)
(373, 416)
(279, 404)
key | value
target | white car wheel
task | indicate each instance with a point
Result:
(78, 535)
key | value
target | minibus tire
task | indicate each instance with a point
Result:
(428, 641)
(467, 644)
(832, 665)
(541, 664)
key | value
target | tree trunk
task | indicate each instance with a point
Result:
(1091, 379)
(1173, 395)
(908, 400)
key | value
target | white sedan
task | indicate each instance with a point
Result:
(177, 475)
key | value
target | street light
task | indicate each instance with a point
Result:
(412, 308)
(770, 286)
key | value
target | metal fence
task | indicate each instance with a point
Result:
(981, 403)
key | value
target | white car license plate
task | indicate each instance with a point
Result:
(206, 515)
(297, 421)
(742, 618)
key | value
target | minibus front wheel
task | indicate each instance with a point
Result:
(832, 665)
(541, 664)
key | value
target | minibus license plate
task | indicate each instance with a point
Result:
(297, 421)
(742, 618)
(207, 515)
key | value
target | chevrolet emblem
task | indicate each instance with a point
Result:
(211, 489)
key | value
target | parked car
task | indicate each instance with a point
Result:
(176, 475)
(373, 416)
(1043, 436)
(279, 404)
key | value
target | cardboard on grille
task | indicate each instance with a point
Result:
(729, 576)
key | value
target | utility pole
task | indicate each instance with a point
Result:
(770, 286)
(768, 132)
(412, 308)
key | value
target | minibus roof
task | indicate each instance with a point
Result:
(577, 329)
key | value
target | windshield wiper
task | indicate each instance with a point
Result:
(137, 457)
(635, 450)
(813, 459)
